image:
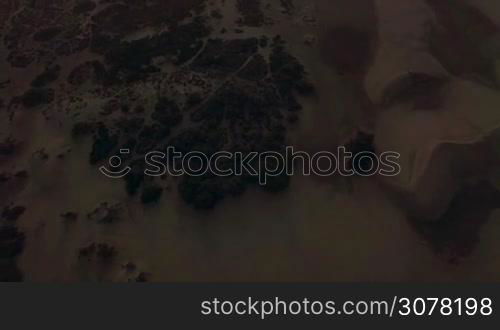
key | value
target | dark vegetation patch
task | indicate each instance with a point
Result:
(244, 116)
(47, 34)
(167, 113)
(246, 113)
(104, 144)
(130, 126)
(287, 5)
(257, 69)
(87, 252)
(12, 213)
(8, 147)
(12, 243)
(55, 32)
(216, 14)
(225, 56)
(362, 143)
(131, 61)
(21, 58)
(151, 194)
(37, 96)
(93, 71)
(251, 12)
(82, 129)
(105, 213)
(287, 72)
(105, 252)
(84, 6)
(49, 75)
(240, 103)
(69, 216)
(122, 19)
(150, 137)
(135, 178)
(72, 44)
(102, 252)
(142, 277)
